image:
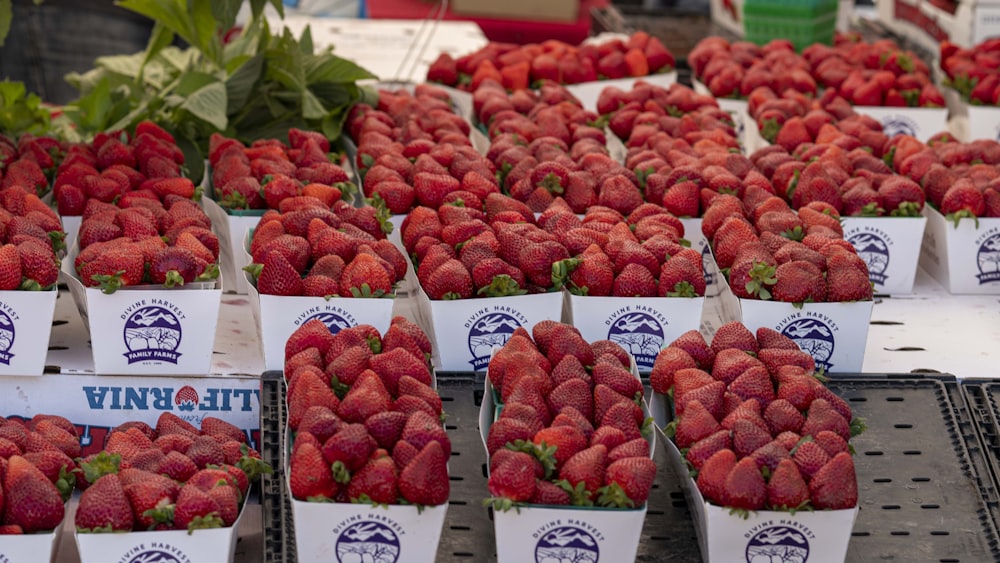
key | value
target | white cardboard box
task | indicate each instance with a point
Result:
(589, 92)
(642, 326)
(464, 331)
(964, 258)
(921, 123)
(278, 317)
(362, 532)
(25, 326)
(835, 334)
(217, 545)
(71, 224)
(814, 536)
(890, 246)
(231, 230)
(970, 122)
(31, 548)
(563, 533)
(148, 330)
(927, 25)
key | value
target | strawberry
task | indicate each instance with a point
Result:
(104, 507)
(744, 487)
(424, 480)
(365, 276)
(505, 431)
(512, 481)
(278, 277)
(822, 416)
(781, 415)
(697, 423)
(835, 485)
(786, 488)
(713, 476)
(809, 457)
(670, 360)
(376, 482)
(10, 267)
(311, 478)
(195, 510)
(748, 437)
(567, 441)
(422, 428)
(628, 482)
(451, 280)
(584, 473)
(634, 280)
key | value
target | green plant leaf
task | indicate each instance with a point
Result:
(225, 11)
(159, 39)
(6, 15)
(209, 104)
(240, 84)
(334, 69)
(173, 14)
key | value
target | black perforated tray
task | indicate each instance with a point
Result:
(926, 489)
(983, 399)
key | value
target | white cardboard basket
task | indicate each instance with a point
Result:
(964, 258)
(231, 230)
(890, 246)
(25, 327)
(31, 548)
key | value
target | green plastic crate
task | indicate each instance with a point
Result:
(803, 22)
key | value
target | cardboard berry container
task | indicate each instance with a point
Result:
(561, 533)
(71, 226)
(642, 326)
(25, 327)
(971, 122)
(149, 329)
(32, 548)
(890, 246)
(693, 234)
(815, 536)
(464, 331)
(964, 258)
(835, 334)
(231, 227)
(921, 123)
(216, 545)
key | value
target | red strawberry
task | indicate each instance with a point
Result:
(713, 476)
(744, 487)
(451, 280)
(835, 485)
(512, 481)
(104, 506)
(628, 482)
(697, 423)
(195, 510)
(506, 431)
(424, 481)
(376, 482)
(311, 477)
(786, 489)
(822, 416)
(809, 457)
(584, 472)
(278, 277)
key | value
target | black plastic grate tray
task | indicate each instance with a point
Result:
(983, 398)
(924, 486)
(920, 468)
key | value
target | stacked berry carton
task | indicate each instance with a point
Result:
(368, 470)
(569, 514)
(766, 468)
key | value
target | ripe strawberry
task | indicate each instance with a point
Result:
(376, 482)
(365, 276)
(786, 489)
(809, 457)
(628, 482)
(835, 485)
(512, 481)
(744, 487)
(567, 441)
(697, 423)
(822, 416)
(366, 397)
(505, 431)
(584, 473)
(748, 437)
(424, 481)
(713, 476)
(451, 280)
(311, 477)
(195, 510)
(10, 267)
(670, 360)
(278, 277)
(422, 428)
(104, 506)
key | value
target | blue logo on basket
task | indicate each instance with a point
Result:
(815, 337)
(707, 265)
(988, 259)
(164, 554)
(640, 334)
(778, 543)
(489, 331)
(333, 321)
(893, 125)
(566, 543)
(875, 252)
(368, 541)
(6, 337)
(186, 398)
(152, 334)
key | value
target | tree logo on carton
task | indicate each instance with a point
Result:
(875, 252)
(6, 338)
(814, 337)
(707, 264)
(333, 321)
(489, 331)
(368, 541)
(567, 543)
(640, 334)
(778, 544)
(893, 125)
(157, 556)
(186, 398)
(152, 334)
(988, 260)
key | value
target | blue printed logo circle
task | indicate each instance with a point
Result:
(487, 332)
(640, 334)
(333, 321)
(567, 543)
(988, 260)
(152, 334)
(875, 252)
(899, 125)
(778, 544)
(7, 331)
(814, 337)
(368, 541)
(154, 556)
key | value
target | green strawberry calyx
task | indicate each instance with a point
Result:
(761, 277)
(101, 465)
(109, 283)
(561, 271)
(206, 522)
(578, 494)
(613, 495)
(173, 279)
(683, 289)
(502, 286)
